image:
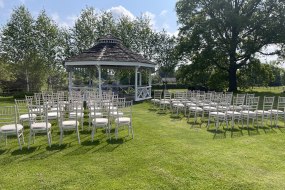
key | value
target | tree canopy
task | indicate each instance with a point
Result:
(228, 34)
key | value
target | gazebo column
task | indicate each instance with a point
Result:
(70, 73)
(100, 81)
(136, 83)
(140, 78)
(149, 77)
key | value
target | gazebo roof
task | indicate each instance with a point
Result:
(109, 51)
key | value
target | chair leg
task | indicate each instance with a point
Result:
(78, 137)
(61, 136)
(19, 141)
(30, 139)
(93, 133)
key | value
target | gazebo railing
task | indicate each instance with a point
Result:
(143, 93)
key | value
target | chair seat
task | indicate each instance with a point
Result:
(96, 108)
(123, 120)
(25, 117)
(53, 115)
(69, 124)
(92, 114)
(114, 113)
(217, 113)
(40, 126)
(100, 121)
(238, 108)
(250, 113)
(196, 108)
(11, 128)
(261, 112)
(209, 108)
(233, 113)
(180, 105)
(190, 104)
(73, 114)
(164, 102)
(276, 111)
(155, 100)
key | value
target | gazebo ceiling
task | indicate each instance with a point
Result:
(109, 51)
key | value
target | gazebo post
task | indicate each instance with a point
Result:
(136, 83)
(70, 80)
(149, 77)
(140, 78)
(100, 82)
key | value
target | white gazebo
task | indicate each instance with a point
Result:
(109, 53)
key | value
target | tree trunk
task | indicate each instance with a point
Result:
(27, 81)
(233, 79)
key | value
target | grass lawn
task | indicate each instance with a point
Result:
(166, 153)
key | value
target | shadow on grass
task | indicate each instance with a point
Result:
(281, 129)
(234, 132)
(24, 151)
(3, 151)
(90, 143)
(218, 134)
(56, 147)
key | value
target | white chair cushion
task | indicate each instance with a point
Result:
(251, 113)
(40, 126)
(196, 108)
(100, 121)
(261, 112)
(11, 128)
(69, 123)
(231, 113)
(190, 104)
(217, 113)
(52, 114)
(209, 108)
(276, 111)
(123, 120)
(73, 114)
(26, 116)
(114, 113)
(92, 114)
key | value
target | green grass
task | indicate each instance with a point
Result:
(166, 153)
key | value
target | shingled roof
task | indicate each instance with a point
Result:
(108, 51)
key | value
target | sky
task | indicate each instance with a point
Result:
(64, 12)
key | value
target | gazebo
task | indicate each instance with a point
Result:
(109, 53)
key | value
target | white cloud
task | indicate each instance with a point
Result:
(59, 21)
(121, 11)
(2, 5)
(151, 17)
(163, 13)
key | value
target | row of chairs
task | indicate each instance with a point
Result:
(223, 108)
(67, 111)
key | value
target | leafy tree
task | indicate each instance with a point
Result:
(18, 44)
(228, 33)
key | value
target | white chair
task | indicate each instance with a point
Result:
(69, 121)
(39, 124)
(266, 111)
(22, 111)
(195, 109)
(249, 112)
(101, 118)
(166, 101)
(279, 112)
(9, 125)
(156, 97)
(126, 119)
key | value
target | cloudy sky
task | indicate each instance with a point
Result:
(64, 12)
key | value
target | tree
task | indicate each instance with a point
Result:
(228, 33)
(18, 44)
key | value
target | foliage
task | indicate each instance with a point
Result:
(227, 34)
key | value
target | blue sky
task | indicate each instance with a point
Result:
(64, 12)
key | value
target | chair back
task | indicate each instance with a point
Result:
(8, 115)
